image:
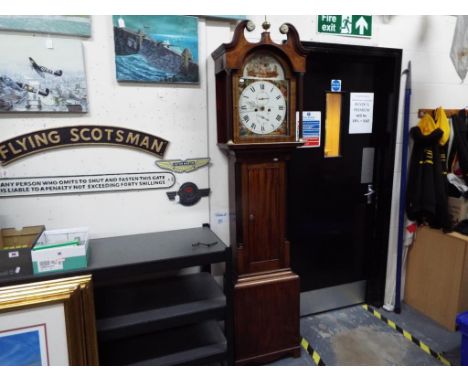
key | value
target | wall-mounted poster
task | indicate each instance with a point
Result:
(42, 74)
(156, 48)
(67, 25)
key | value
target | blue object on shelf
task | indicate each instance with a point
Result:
(462, 322)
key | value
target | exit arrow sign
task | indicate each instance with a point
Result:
(347, 25)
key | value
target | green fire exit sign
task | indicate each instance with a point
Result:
(347, 25)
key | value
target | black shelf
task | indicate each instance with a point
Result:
(146, 317)
(155, 252)
(202, 343)
(116, 258)
(157, 304)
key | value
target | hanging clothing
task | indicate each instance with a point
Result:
(427, 200)
(459, 155)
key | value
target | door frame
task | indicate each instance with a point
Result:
(384, 159)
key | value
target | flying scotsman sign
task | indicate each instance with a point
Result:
(18, 147)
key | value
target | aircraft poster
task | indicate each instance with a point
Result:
(42, 74)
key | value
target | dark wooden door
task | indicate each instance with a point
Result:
(338, 236)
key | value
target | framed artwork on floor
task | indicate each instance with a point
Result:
(49, 323)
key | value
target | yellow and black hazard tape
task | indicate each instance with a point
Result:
(313, 353)
(407, 335)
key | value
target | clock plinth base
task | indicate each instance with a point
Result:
(266, 317)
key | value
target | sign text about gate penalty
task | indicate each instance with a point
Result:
(79, 135)
(85, 183)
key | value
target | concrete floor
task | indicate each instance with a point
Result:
(426, 330)
(353, 336)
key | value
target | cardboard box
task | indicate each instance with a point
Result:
(15, 250)
(437, 275)
(61, 250)
(458, 208)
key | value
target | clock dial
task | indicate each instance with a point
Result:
(262, 107)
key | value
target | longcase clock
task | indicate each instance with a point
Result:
(258, 92)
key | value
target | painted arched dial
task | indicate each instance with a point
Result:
(262, 107)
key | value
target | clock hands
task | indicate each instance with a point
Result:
(248, 110)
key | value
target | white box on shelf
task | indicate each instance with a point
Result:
(61, 250)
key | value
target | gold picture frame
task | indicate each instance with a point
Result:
(48, 323)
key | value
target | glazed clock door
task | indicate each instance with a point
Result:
(264, 95)
(263, 215)
(262, 107)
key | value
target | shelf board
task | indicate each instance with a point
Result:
(135, 308)
(154, 252)
(119, 257)
(198, 344)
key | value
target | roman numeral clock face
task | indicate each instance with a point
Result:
(263, 107)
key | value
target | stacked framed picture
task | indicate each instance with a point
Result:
(50, 323)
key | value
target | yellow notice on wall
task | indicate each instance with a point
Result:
(333, 125)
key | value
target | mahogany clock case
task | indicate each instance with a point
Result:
(265, 290)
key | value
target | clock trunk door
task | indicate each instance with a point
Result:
(263, 216)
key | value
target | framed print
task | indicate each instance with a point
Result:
(48, 323)
(156, 48)
(77, 25)
(42, 75)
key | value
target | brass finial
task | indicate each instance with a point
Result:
(284, 29)
(266, 24)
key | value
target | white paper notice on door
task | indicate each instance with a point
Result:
(361, 113)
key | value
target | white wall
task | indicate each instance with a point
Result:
(426, 42)
(186, 116)
(177, 113)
